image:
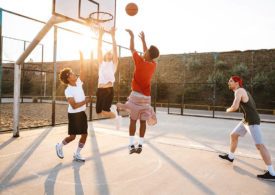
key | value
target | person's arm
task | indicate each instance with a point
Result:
(236, 102)
(99, 46)
(81, 72)
(132, 44)
(142, 37)
(115, 56)
(75, 105)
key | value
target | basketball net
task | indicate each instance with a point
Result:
(97, 20)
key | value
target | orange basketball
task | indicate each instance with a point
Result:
(131, 9)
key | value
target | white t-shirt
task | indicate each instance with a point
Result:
(77, 93)
(106, 72)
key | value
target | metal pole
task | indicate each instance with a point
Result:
(17, 70)
(119, 76)
(214, 88)
(45, 84)
(54, 75)
(1, 51)
(23, 77)
(91, 86)
(42, 59)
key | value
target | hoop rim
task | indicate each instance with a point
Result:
(96, 20)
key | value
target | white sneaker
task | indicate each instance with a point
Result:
(78, 157)
(59, 151)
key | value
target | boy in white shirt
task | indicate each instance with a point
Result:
(106, 76)
(77, 118)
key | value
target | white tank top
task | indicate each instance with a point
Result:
(106, 72)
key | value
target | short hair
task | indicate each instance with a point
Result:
(237, 79)
(64, 74)
(153, 52)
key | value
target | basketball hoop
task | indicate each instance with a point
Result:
(100, 17)
(96, 20)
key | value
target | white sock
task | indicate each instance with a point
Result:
(231, 155)
(140, 141)
(79, 148)
(132, 140)
(270, 170)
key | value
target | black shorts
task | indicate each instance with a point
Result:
(78, 123)
(104, 99)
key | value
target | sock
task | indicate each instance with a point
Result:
(79, 148)
(132, 140)
(231, 155)
(270, 170)
(141, 139)
(63, 143)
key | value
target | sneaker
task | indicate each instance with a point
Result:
(267, 176)
(78, 157)
(59, 151)
(225, 157)
(132, 149)
(139, 149)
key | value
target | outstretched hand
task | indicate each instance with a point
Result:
(130, 32)
(142, 36)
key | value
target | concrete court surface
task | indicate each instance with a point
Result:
(180, 156)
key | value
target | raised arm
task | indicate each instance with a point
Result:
(142, 37)
(82, 72)
(99, 46)
(115, 56)
(132, 44)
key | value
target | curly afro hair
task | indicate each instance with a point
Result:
(64, 74)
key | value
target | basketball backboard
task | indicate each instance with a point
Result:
(79, 11)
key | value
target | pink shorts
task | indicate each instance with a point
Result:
(139, 107)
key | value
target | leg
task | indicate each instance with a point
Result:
(81, 144)
(132, 131)
(99, 100)
(142, 128)
(132, 127)
(142, 131)
(59, 147)
(269, 174)
(107, 103)
(68, 139)
(264, 153)
(234, 137)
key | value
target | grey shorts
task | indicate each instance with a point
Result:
(253, 130)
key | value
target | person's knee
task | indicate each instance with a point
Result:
(71, 137)
(234, 136)
(133, 122)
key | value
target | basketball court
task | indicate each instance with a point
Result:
(180, 153)
(180, 156)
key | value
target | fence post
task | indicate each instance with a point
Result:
(1, 51)
(54, 75)
(215, 55)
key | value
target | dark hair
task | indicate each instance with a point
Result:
(153, 52)
(64, 74)
(237, 79)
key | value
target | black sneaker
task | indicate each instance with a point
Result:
(139, 149)
(225, 157)
(132, 149)
(267, 176)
